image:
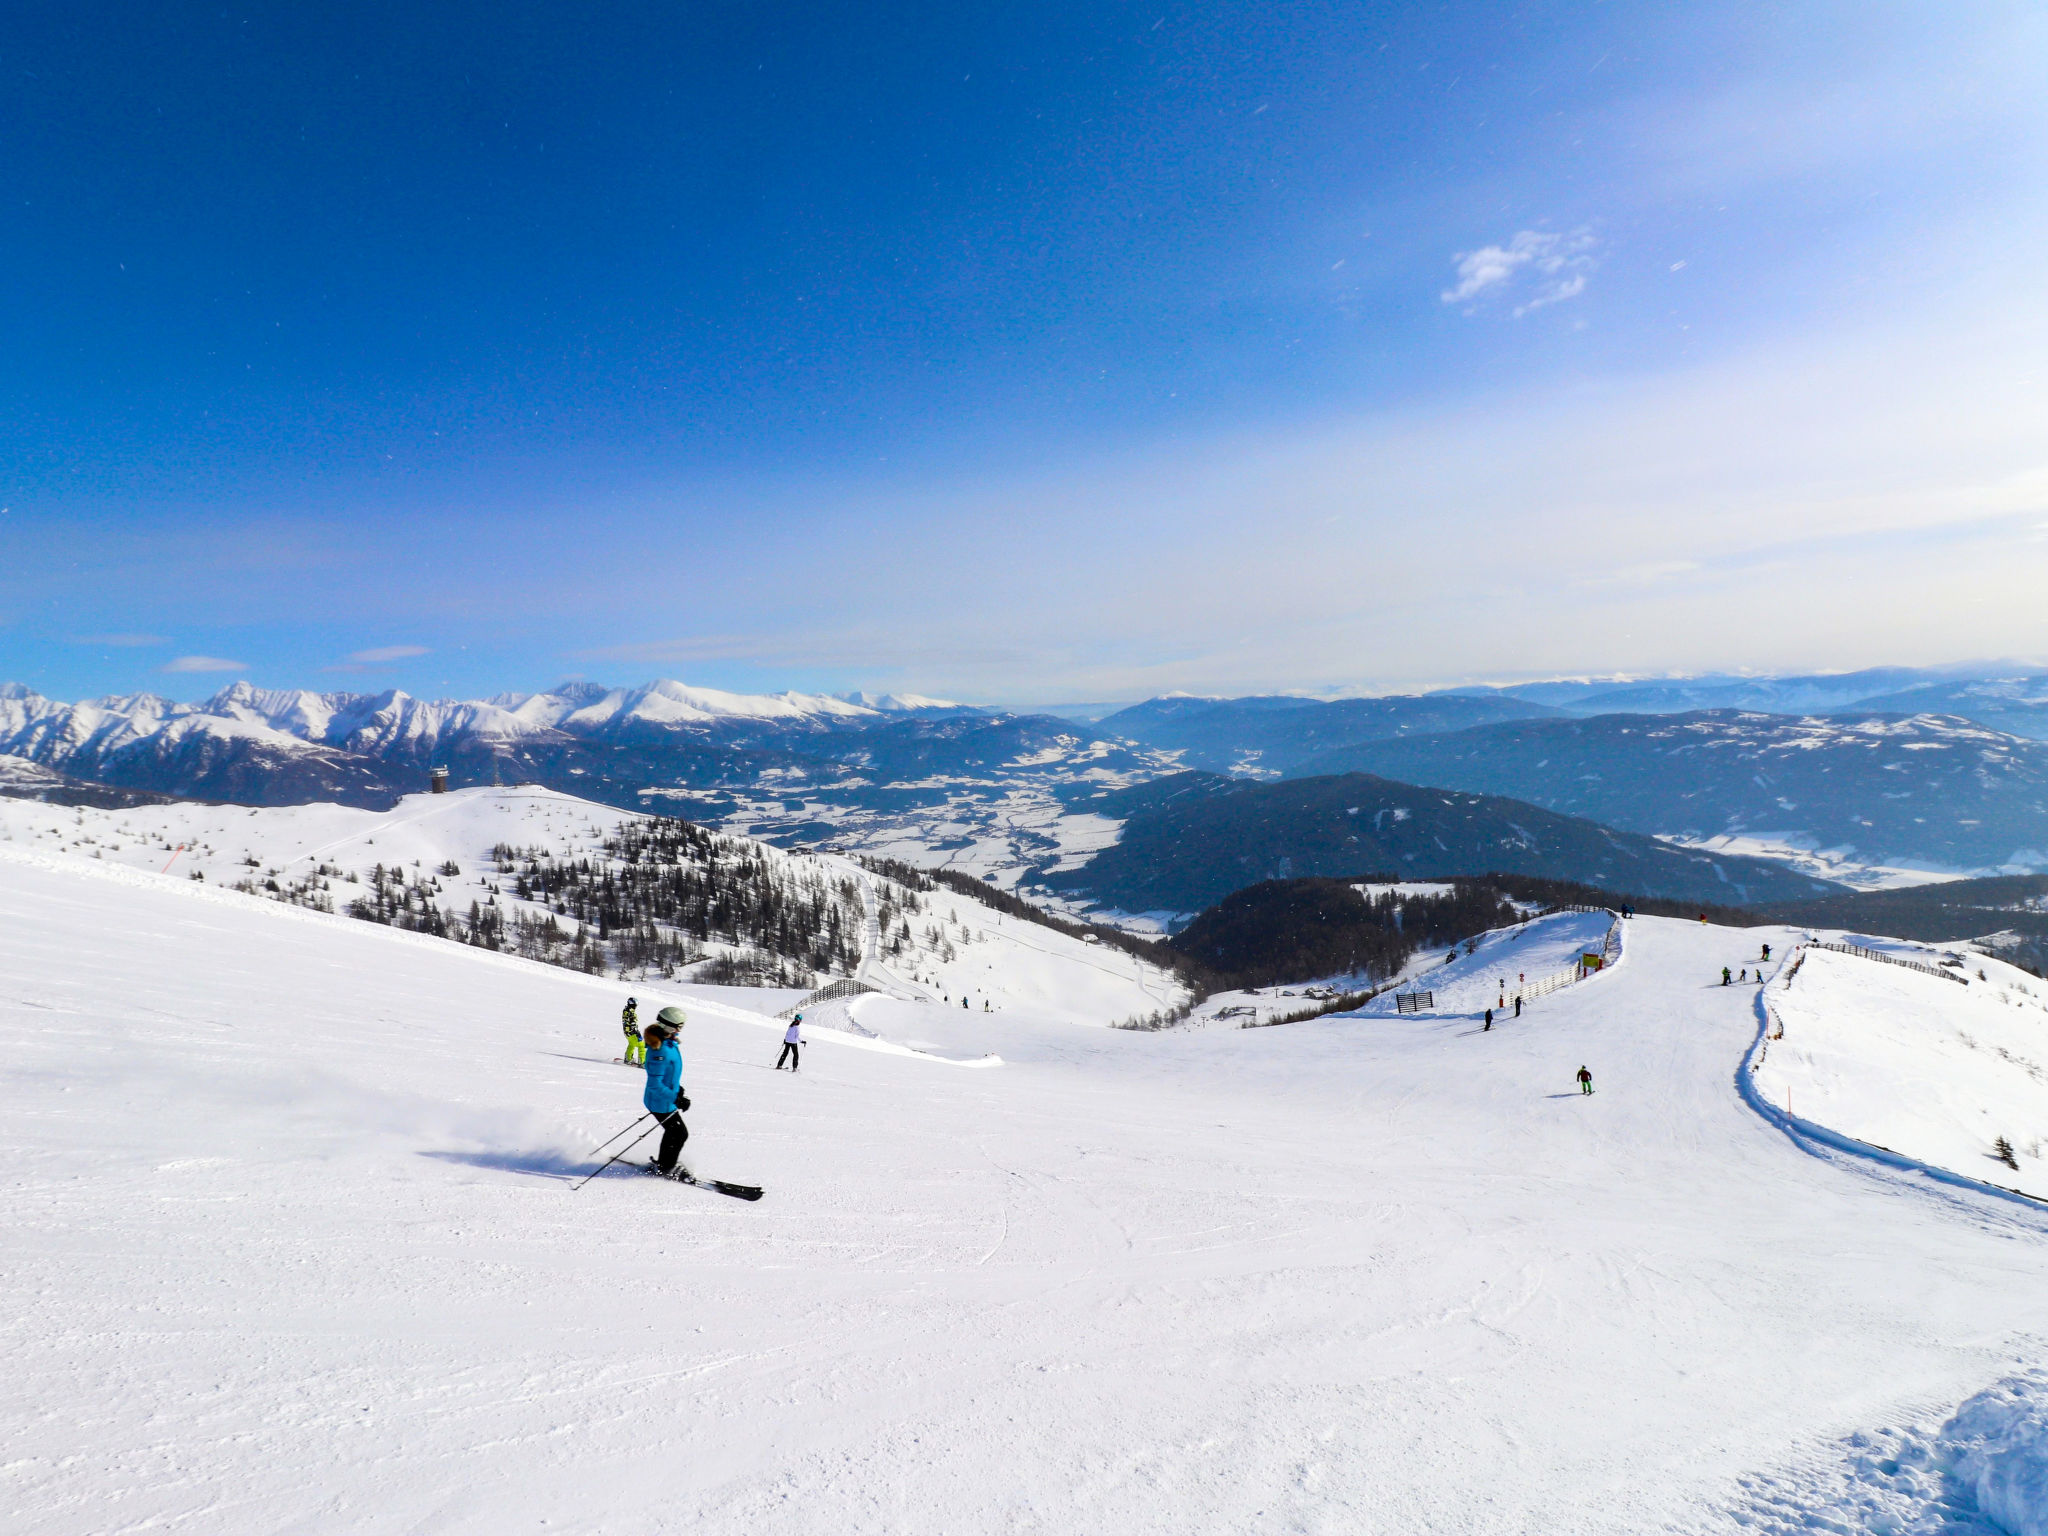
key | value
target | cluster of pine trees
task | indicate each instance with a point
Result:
(648, 903)
(1286, 930)
(663, 886)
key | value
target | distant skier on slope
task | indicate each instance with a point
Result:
(1585, 1081)
(792, 1037)
(1767, 952)
(663, 1096)
(1489, 1020)
(629, 1020)
(1726, 976)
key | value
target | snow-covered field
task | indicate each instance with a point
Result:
(986, 957)
(1842, 865)
(1927, 1068)
(291, 1246)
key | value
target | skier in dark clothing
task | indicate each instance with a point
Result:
(1585, 1081)
(1489, 1020)
(1726, 976)
(1518, 1005)
(664, 1095)
(1767, 951)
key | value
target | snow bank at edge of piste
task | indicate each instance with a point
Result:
(1813, 1134)
(1982, 1471)
(2000, 1442)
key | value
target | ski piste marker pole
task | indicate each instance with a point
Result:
(629, 1146)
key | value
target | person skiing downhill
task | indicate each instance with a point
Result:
(792, 1037)
(1585, 1081)
(1725, 976)
(1489, 1020)
(663, 1096)
(629, 1020)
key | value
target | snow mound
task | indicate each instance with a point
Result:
(1982, 1473)
(2001, 1438)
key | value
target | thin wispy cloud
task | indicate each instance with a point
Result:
(204, 664)
(377, 656)
(136, 642)
(1537, 267)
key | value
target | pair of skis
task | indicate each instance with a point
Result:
(684, 1176)
(681, 1175)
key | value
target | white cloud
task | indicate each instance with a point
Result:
(1539, 266)
(205, 664)
(377, 656)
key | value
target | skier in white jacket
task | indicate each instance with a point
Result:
(791, 1039)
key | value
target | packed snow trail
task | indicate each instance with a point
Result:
(290, 1247)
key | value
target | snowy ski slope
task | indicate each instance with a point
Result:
(995, 959)
(1920, 1066)
(291, 1247)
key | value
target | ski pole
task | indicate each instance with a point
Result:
(629, 1146)
(610, 1139)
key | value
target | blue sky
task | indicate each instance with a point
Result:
(1017, 352)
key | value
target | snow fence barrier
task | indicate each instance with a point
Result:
(1878, 954)
(1586, 965)
(829, 993)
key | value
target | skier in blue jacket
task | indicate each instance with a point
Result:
(663, 1094)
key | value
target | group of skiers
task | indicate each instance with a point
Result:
(655, 1050)
(636, 1043)
(1728, 979)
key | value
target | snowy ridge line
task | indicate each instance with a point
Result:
(1799, 1130)
(191, 890)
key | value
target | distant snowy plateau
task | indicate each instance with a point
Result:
(294, 1241)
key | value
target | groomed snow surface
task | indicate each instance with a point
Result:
(291, 1246)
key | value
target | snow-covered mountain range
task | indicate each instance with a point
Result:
(918, 778)
(279, 746)
(2014, 701)
(1867, 798)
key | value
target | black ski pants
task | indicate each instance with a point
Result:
(673, 1134)
(788, 1055)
